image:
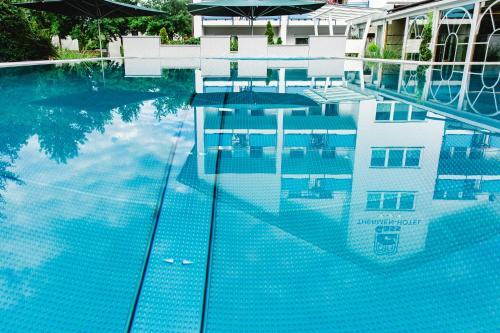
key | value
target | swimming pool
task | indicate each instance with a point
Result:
(257, 196)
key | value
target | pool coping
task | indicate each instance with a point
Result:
(364, 59)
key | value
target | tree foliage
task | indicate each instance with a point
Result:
(163, 36)
(176, 21)
(20, 40)
(269, 33)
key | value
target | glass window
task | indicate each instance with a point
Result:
(412, 158)
(297, 153)
(298, 113)
(331, 109)
(418, 114)
(378, 158)
(460, 152)
(396, 157)
(301, 41)
(401, 112)
(407, 201)
(256, 152)
(373, 201)
(383, 112)
(390, 201)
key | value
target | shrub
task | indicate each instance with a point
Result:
(192, 41)
(163, 36)
(185, 41)
(234, 44)
(373, 51)
(390, 53)
(68, 54)
(279, 41)
(269, 33)
(18, 40)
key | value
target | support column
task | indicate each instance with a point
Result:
(197, 26)
(284, 29)
(435, 26)
(316, 27)
(403, 54)
(330, 25)
(198, 79)
(468, 56)
(384, 36)
(279, 141)
(405, 39)
(365, 36)
(281, 81)
(432, 47)
(200, 140)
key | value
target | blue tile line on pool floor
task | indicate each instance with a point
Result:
(156, 218)
(203, 323)
(173, 294)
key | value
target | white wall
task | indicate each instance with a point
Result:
(180, 51)
(67, 43)
(219, 47)
(215, 46)
(252, 46)
(114, 48)
(141, 46)
(371, 133)
(252, 68)
(354, 46)
(142, 67)
(326, 68)
(327, 46)
(288, 51)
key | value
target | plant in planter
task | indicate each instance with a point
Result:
(163, 36)
(234, 44)
(269, 33)
(373, 51)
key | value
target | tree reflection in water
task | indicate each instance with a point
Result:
(35, 103)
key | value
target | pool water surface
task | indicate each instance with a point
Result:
(245, 197)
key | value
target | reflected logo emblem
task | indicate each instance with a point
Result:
(386, 240)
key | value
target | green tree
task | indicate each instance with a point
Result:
(163, 36)
(18, 40)
(269, 33)
(176, 20)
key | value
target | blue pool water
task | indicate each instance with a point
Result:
(246, 197)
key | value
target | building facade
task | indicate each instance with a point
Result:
(294, 29)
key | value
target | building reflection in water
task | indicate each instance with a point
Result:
(378, 180)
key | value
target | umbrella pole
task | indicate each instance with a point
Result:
(251, 25)
(100, 40)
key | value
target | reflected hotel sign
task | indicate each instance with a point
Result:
(386, 240)
(387, 233)
(389, 221)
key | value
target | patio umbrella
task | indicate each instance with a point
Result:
(251, 100)
(96, 9)
(252, 9)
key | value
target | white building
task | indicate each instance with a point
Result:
(296, 29)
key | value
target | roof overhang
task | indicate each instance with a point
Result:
(345, 13)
